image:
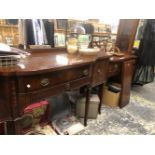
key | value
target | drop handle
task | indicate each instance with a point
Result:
(44, 82)
(85, 72)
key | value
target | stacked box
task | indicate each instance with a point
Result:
(93, 107)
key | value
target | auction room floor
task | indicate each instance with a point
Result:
(137, 118)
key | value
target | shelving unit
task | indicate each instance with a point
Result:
(8, 26)
(8, 33)
(98, 34)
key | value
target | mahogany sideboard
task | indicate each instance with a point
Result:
(43, 74)
(50, 72)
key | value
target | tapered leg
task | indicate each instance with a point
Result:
(87, 104)
(14, 127)
(101, 90)
(18, 127)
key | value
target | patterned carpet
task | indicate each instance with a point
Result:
(137, 118)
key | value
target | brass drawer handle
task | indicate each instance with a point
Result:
(44, 82)
(67, 86)
(85, 72)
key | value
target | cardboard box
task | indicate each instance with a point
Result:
(93, 107)
(110, 98)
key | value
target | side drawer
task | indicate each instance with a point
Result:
(100, 72)
(114, 69)
(26, 99)
(38, 82)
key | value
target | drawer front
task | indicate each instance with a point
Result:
(47, 80)
(114, 69)
(100, 72)
(27, 98)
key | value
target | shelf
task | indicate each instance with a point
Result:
(96, 34)
(61, 31)
(9, 26)
(99, 34)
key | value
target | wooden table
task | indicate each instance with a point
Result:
(50, 72)
(46, 73)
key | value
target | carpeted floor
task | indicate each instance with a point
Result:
(137, 118)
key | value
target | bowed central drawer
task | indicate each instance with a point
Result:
(37, 82)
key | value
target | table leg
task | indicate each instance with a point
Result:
(87, 104)
(101, 90)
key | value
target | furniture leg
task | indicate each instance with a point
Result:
(87, 104)
(101, 90)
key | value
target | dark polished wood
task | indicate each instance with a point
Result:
(123, 67)
(48, 72)
(88, 91)
(43, 74)
(126, 34)
(2, 128)
(46, 61)
(100, 71)
(101, 95)
(126, 79)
